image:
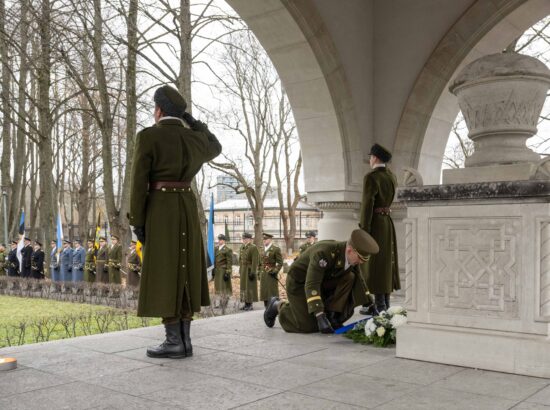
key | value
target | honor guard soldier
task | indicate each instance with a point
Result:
(223, 261)
(54, 262)
(89, 264)
(79, 260)
(323, 286)
(66, 262)
(248, 271)
(3, 260)
(101, 266)
(26, 255)
(37, 261)
(311, 238)
(381, 272)
(272, 262)
(13, 262)
(115, 260)
(134, 266)
(164, 213)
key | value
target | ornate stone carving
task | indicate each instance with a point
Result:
(411, 177)
(541, 170)
(474, 266)
(335, 205)
(543, 261)
(411, 260)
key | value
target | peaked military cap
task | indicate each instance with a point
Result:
(90, 240)
(170, 101)
(363, 243)
(380, 152)
(247, 235)
(14, 242)
(78, 241)
(102, 238)
(115, 236)
(133, 241)
(38, 242)
(222, 237)
(311, 234)
(267, 235)
(27, 238)
(66, 241)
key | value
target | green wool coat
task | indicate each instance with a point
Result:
(89, 266)
(381, 271)
(272, 262)
(323, 261)
(249, 258)
(174, 265)
(101, 265)
(115, 263)
(223, 261)
(303, 247)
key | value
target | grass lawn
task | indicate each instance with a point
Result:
(27, 320)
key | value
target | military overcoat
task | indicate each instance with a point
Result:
(134, 268)
(249, 258)
(3, 262)
(89, 266)
(272, 262)
(66, 264)
(223, 261)
(115, 263)
(174, 263)
(303, 247)
(101, 268)
(381, 271)
(325, 260)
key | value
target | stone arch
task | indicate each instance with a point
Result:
(295, 38)
(485, 28)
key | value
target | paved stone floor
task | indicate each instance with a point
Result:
(239, 363)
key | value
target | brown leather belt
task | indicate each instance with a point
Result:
(170, 186)
(382, 211)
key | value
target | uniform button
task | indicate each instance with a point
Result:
(183, 234)
(183, 250)
(183, 266)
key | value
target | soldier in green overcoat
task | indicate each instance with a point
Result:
(249, 258)
(115, 260)
(381, 271)
(323, 286)
(89, 265)
(311, 238)
(134, 266)
(223, 261)
(164, 213)
(3, 260)
(101, 262)
(272, 262)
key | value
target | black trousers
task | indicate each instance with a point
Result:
(382, 301)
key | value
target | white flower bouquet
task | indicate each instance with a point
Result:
(379, 330)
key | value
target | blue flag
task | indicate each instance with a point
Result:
(210, 236)
(59, 232)
(22, 223)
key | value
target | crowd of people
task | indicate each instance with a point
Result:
(72, 262)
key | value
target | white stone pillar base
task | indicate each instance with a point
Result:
(338, 221)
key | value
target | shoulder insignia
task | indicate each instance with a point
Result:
(323, 263)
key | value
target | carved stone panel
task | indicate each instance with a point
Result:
(411, 261)
(542, 261)
(474, 267)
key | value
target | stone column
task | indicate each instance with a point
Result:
(339, 219)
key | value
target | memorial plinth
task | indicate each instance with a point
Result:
(477, 276)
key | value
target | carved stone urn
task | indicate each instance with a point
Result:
(501, 97)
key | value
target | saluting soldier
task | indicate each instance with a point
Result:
(164, 213)
(54, 263)
(101, 266)
(134, 266)
(115, 260)
(66, 262)
(381, 272)
(323, 286)
(89, 264)
(249, 259)
(3, 260)
(13, 262)
(79, 260)
(223, 261)
(311, 238)
(37, 261)
(272, 262)
(26, 259)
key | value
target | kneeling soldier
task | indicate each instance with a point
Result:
(324, 285)
(272, 262)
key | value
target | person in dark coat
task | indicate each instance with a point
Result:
(381, 271)
(66, 262)
(134, 266)
(37, 261)
(79, 260)
(101, 263)
(89, 266)
(311, 238)
(249, 261)
(3, 260)
(26, 261)
(271, 264)
(115, 260)
(323, 286)
(13, 262)
(223, 262)
(54, 262)
(164, 213)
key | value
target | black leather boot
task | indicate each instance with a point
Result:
(335, 319)
(186, 337)
(172, 347)
(271, 311)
